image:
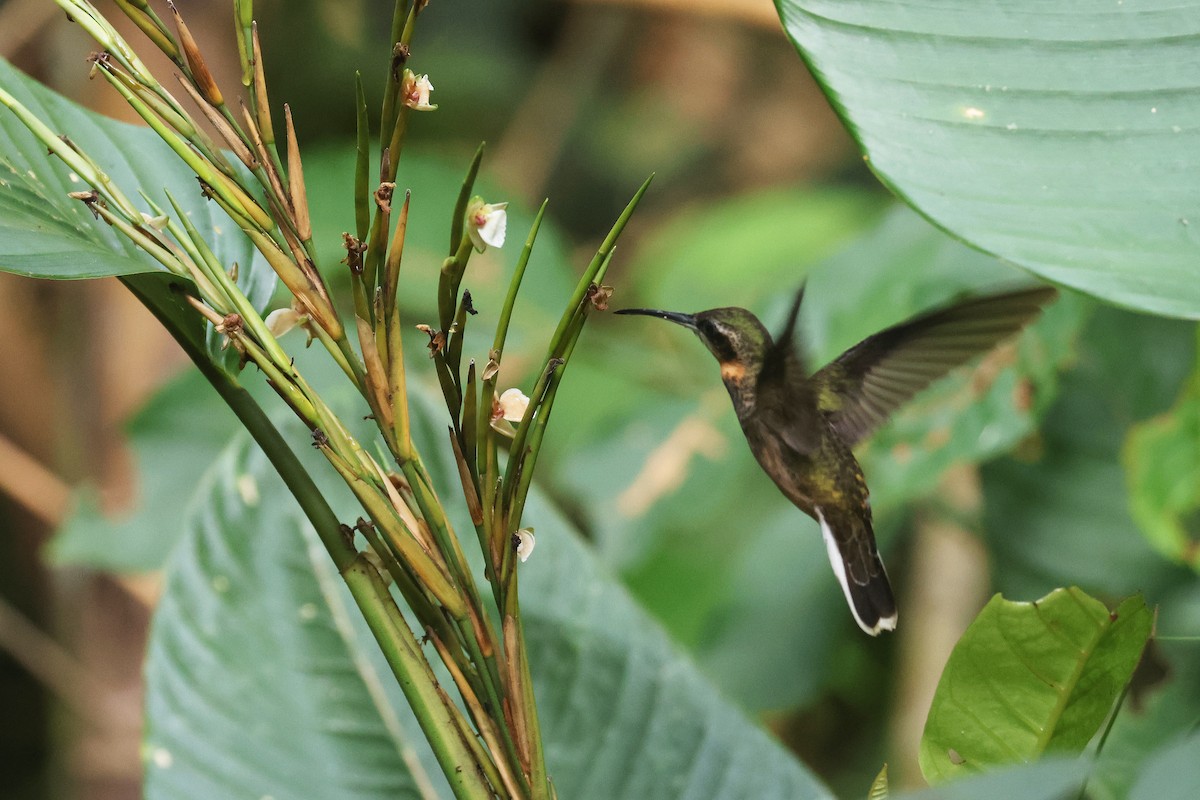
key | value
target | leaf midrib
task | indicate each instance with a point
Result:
(1073, 680)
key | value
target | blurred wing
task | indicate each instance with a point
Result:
(864, 385)
(784, 397)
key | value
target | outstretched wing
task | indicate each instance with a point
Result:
(784, 397)
(864, 385)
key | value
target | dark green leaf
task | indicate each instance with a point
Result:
(1062, 139)
(1030, 678)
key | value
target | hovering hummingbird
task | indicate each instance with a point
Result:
(801, 427)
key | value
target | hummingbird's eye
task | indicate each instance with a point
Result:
(717, 338)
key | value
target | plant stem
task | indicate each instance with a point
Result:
(399, 646)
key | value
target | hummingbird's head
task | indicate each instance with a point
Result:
(733, 335)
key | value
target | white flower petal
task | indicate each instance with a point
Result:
(416, 91)
(282, 320)
(487, 224)
(495, 225)
(513, 403)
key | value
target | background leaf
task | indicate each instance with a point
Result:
(1153, 717)
(1162, 466)
(1062, 139)
(1030, 678)
(1056, 513)
(1173, 774)
(181, 430)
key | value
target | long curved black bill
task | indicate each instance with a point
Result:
(686, 320)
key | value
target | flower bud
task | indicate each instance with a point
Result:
(523, 543)
(414, 91)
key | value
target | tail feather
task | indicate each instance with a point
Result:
(860, 572)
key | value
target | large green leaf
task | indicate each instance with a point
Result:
(1030, 678)
(262, 680)
(258, 683)
(1062, 137)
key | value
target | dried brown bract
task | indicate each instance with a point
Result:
(354, 251)
(437, 339)
(383, 196)
(599, 295)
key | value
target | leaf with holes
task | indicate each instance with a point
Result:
(1031, 678)
(1062, 137)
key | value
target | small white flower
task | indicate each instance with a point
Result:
(513, 404)
(415, 92)
(487, 223)
(524, 541)
(282, 320)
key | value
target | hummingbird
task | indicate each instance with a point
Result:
(802, 427)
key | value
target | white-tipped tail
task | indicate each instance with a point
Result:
(863, 604)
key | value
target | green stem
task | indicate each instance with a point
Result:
(514, 285)
(438, 717)
(525, 476)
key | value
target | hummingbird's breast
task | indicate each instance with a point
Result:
(828, 477)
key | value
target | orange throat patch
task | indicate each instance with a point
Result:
(733, 371)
